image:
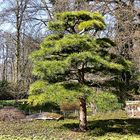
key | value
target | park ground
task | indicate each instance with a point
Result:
(102, 126)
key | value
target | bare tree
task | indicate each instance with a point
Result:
(28, 24)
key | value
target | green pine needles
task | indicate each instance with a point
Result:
(68, 56)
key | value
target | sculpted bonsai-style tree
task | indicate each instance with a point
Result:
(67, 56)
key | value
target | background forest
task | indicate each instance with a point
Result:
(24, 24)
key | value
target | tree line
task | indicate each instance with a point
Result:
(26, 25)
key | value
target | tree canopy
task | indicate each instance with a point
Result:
(68, 55)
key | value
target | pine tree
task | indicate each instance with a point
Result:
(65, 58)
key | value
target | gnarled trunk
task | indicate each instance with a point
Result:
(83, 114)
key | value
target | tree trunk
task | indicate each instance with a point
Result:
(83, 114)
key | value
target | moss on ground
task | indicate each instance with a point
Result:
(103, 126)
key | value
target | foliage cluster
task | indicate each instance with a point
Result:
(66, 57)
(28, 109)
(8, 91)
(5, 88)
(106, 101)
(7, 103)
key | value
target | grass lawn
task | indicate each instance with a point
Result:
(109, 126)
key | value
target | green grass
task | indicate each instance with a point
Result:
(103, 126)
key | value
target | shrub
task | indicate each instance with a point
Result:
(4, 90)
(48, 106)
(106, 101)
(7, 103)
(11, 113)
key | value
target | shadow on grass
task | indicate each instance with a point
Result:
(102, 127)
